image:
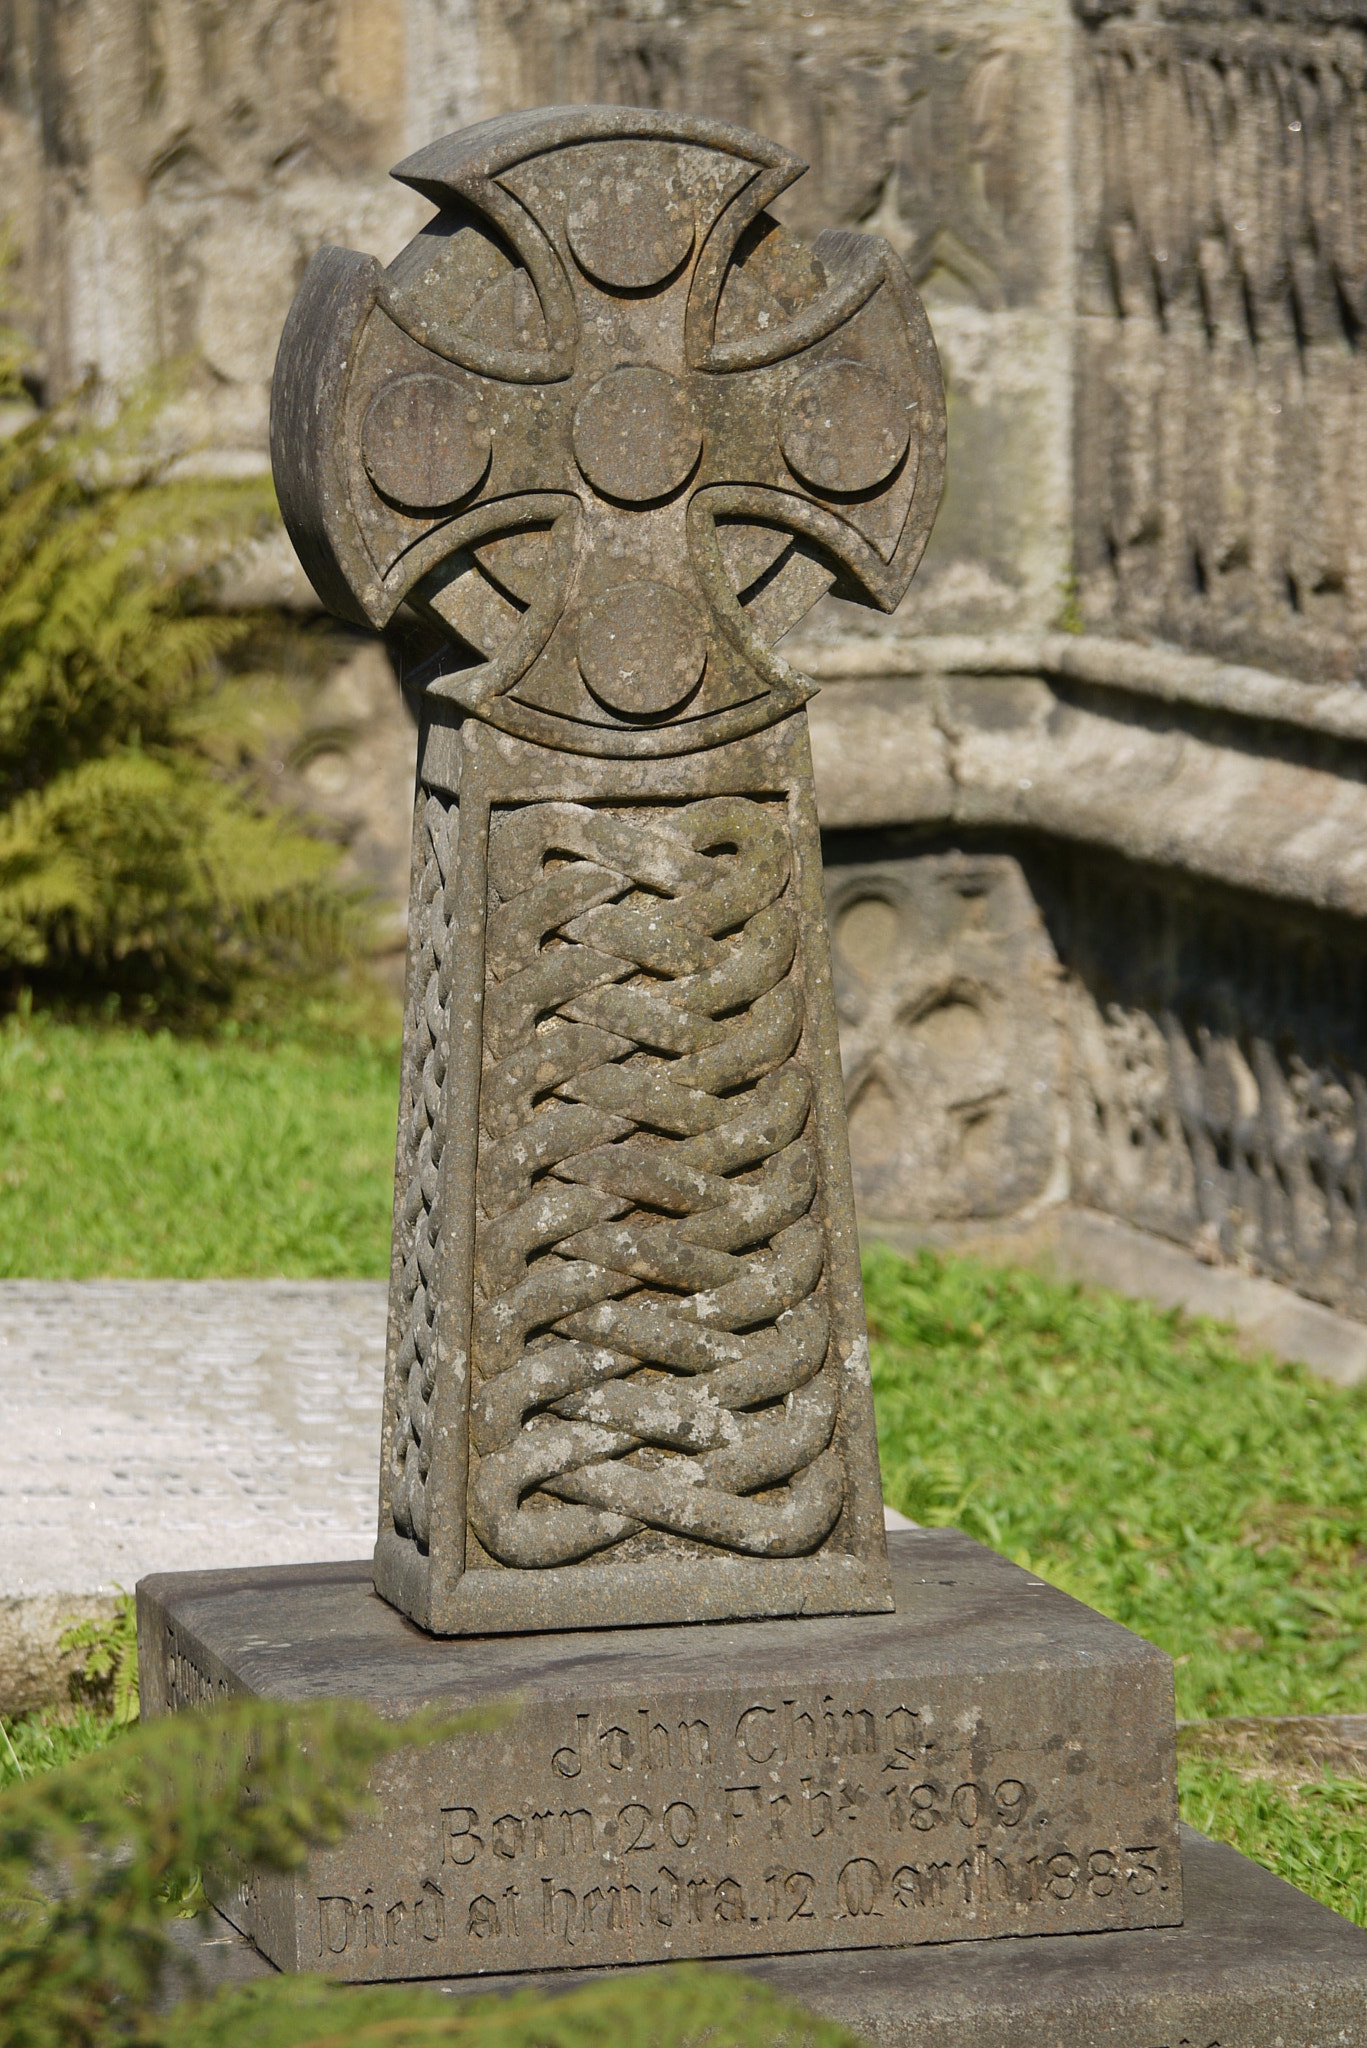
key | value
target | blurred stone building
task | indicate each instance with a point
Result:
(1094, 799)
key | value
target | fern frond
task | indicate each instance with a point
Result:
(92, 1855)
(130, 834)
(134, 854)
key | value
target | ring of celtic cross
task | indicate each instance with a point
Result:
(608, 429)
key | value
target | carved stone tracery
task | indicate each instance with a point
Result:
(418, 1207)
(1224, 303)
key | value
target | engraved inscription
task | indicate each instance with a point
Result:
(792, 1812)
(576, 1911)
(366, 1922)
(623, 1825)
(188, 1682)
(925, 1806)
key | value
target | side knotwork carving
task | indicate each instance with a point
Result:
(650, 1340)
(422, 1134)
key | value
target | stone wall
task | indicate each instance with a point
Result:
(175, 162)
(1099, 920)
(1222, 295)
(1098, 894)
(1026, 1020)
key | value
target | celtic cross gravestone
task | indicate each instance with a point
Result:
(609, 432)
(606, 431)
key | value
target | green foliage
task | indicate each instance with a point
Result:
(240, 1154)
(50, 1737)
(1314, 1835)
(1216, 1504)
(107, 1675)
(95, 1857)
(683, 2006)
(132, 855)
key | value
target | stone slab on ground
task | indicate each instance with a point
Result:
(992, 1758)
(1282, 1748)
(197, 1423)
(1255, 1964)
(1081, 1244)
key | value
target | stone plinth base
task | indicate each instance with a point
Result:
(1255, 1964)
(992, 1758)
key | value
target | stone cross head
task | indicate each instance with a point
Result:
(608, 428)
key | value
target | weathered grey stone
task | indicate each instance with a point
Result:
(1207, 1007)
(993, 1758)
(947, 988)
(175, 166)
(1220, 328)
(609, 431)
(1101, 768)
(158, 155)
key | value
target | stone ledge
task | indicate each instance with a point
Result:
(1169, 674)
(1080, 1244)
(1008, 750)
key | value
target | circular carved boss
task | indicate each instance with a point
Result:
(637, 434)
(627, 227)
(641, 648)
(843, 428)
(425, 442)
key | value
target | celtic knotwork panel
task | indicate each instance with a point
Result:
(649, 1335)
(417, 1203)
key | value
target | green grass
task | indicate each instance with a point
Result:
(104, 1699)
(30, 1743)
(132, 1154)
(1314, 1834)
(1216, 1504)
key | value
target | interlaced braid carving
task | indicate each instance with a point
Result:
(417, 1219)
(650, 1342)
